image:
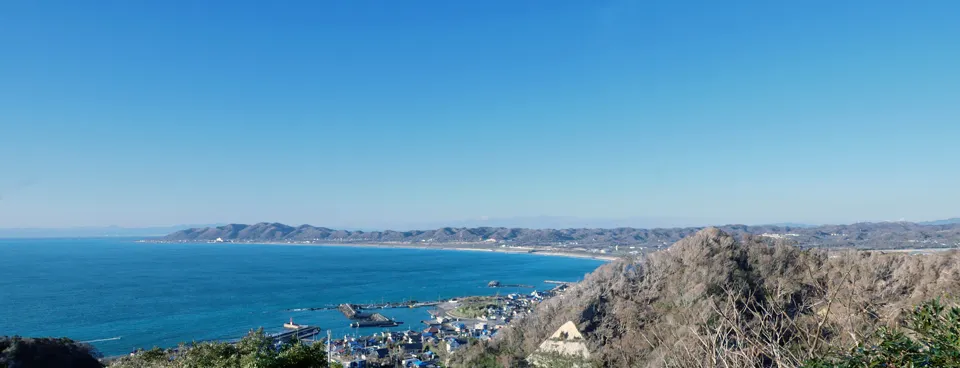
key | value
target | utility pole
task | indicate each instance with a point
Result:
(328, 348)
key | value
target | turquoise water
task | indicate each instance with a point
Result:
(126, 295)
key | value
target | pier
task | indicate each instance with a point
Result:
(357, 307)
(376, 320)
(353, 313)
(304, 333)
(497, 284)
(348, 310)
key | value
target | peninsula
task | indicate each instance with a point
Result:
(598, 242)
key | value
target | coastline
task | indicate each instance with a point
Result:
(226, 290)
(533, 251)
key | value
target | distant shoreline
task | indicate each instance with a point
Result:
(605, 258)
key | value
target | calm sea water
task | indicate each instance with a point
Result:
(123, 295)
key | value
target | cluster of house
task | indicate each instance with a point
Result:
(441, 337)
(409, 348)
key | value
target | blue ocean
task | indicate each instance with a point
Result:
(119, 294)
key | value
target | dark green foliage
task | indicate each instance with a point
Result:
(154, 355)
(256, 350)
(487, 361)
(46, 352)
(299, 355)
(931, 339)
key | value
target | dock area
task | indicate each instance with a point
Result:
(360, 319)
(498, 284)
(388, 305)
(349, 310)
(303, 334)
(376, 320)
(454, 324)
(361, 315)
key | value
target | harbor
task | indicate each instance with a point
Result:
(361, 319)
(452, 324)
(367, 306)
(305, 333)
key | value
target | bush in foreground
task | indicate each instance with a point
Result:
(21, 352)
(256, 350)
(931, 339)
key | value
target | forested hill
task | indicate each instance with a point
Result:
(881, 235)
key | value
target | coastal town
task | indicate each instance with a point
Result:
(453, 324)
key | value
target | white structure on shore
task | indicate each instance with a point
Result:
(566, 347)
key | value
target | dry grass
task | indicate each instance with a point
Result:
(713, 301)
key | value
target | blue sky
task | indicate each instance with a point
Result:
(405, 113)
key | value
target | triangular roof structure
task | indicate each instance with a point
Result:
(566, 343)
(568, 331)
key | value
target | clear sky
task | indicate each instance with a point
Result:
(391, 113)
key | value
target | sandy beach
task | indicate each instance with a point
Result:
(465, 247)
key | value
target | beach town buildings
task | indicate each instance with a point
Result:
(442, 336)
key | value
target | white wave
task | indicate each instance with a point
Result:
(101, 340)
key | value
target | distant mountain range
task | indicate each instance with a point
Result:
(880, 235)
(556, 222)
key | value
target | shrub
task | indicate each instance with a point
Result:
(931, 339)
(19, 351)
(255, 350)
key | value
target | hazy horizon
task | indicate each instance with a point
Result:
(392, 114)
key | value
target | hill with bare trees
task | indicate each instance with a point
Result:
(712, 300)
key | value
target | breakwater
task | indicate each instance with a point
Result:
(388, 305)
(361, 319)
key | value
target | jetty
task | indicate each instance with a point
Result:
(497, 284)
(349, 310)
(376, 320)
(303, 333)
(353, 312)
(388, 305)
